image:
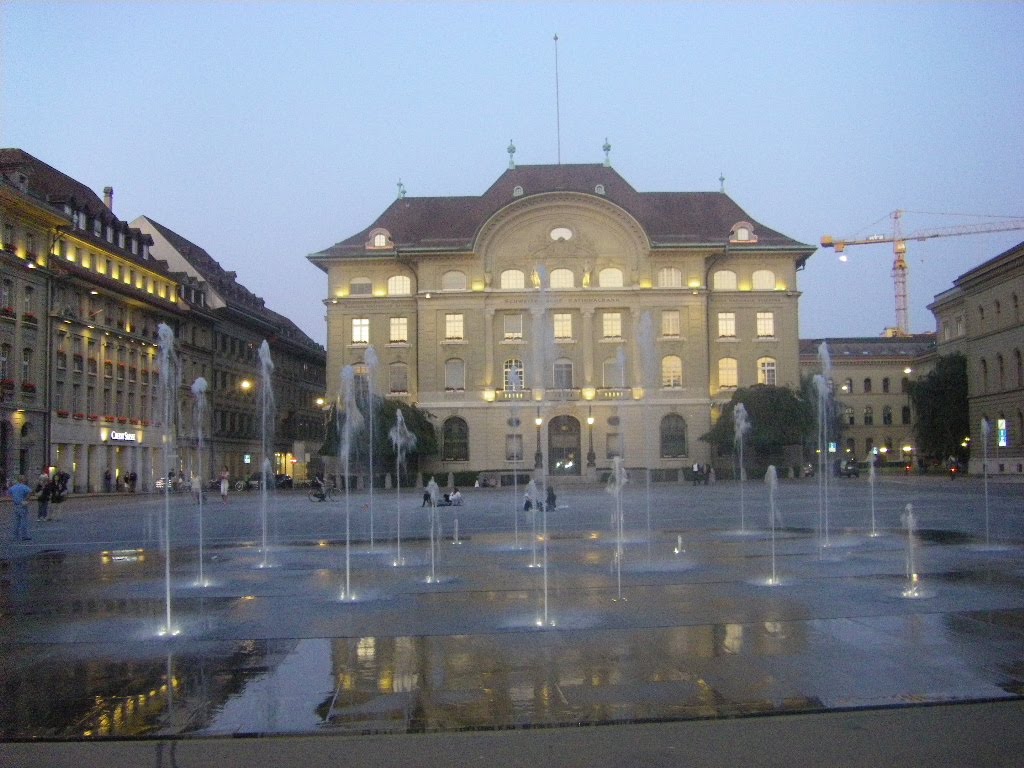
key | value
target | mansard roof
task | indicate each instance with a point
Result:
(57, 190)
(670, 219)
(844, 350)
(225, 284)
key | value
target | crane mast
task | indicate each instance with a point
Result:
(899, 248)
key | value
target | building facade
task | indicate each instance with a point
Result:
(83, 387)
(236, 324)
(88, 298)
(981, 317)
(562, 318)
(870, 381)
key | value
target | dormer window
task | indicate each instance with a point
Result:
(517, 191)
(599, 189)
(561, 233)
(742, 232)
(379, 238)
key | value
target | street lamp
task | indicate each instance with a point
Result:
(538, 457)
(591, 457)
(246, 385)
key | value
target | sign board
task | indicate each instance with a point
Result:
(247, 458)
(1001, 437)
(124, 437)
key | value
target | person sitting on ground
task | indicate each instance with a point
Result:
(456, 498)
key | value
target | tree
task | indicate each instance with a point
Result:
(778, 416)
(417, 421)
(940, 402)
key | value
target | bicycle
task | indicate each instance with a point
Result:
(327, 495)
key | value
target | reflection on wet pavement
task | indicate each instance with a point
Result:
(275, 651)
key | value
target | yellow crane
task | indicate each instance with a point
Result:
(899, 247)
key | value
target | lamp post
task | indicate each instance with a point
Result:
(538, 457)
(591, 457)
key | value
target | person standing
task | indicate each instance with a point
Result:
(44, 489)
(224, 479)
(550, 501)
(20, 493)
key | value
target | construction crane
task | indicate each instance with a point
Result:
(899, 247)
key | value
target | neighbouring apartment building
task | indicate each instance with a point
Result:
(870, 381)
(981, 317)
(562, 318)
(82, 294)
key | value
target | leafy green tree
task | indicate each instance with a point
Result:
(779, 417)
(940, 402)
(417, 421)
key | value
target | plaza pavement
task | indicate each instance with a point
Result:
(309, 649)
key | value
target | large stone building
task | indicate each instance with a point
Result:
(85, 298)
(981, 317)
(82, 294)
(870, 381)
(562, 318)
(239, 322)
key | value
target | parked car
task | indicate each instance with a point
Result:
(282, 481)
(849, 468)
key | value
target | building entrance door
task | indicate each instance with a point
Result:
(564, 446)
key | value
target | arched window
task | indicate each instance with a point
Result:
(562, 278)
(26, 364)
(399, 285)
(398, 377)
(1018, 362)
(1001, 373)
(380, 240)
(763, 280)
(561, 374)
(610, 277)
(29, 298)
(673, 436)
(453, 280)
(848, 415)
(984, 375)
(360, 286)
(454, 374)
(905, 414)
(766, 371)
(513, 279)
(869, 415)
(885, 384)
(455, 440)
(848, 386)
(671, 372)
(513, 375)
(887, 415)
(724, 280)
(728, 372)
(867, 386)
(670, 277)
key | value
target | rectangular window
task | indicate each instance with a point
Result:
(670, 323)
(513, 447)
(360, 330)
(399, 333)
(453, 327)
(727, 324)
(562, 325)
(562, 374)
(613, 445)
(513, 326)
(611, 325)
(399, 377)
(765, 324)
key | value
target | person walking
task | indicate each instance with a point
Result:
(224, 479)
(550, 501)
(19, 494)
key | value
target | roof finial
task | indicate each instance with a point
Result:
(721, 182)
(511, 155)
(607, 151)
(401, 189)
